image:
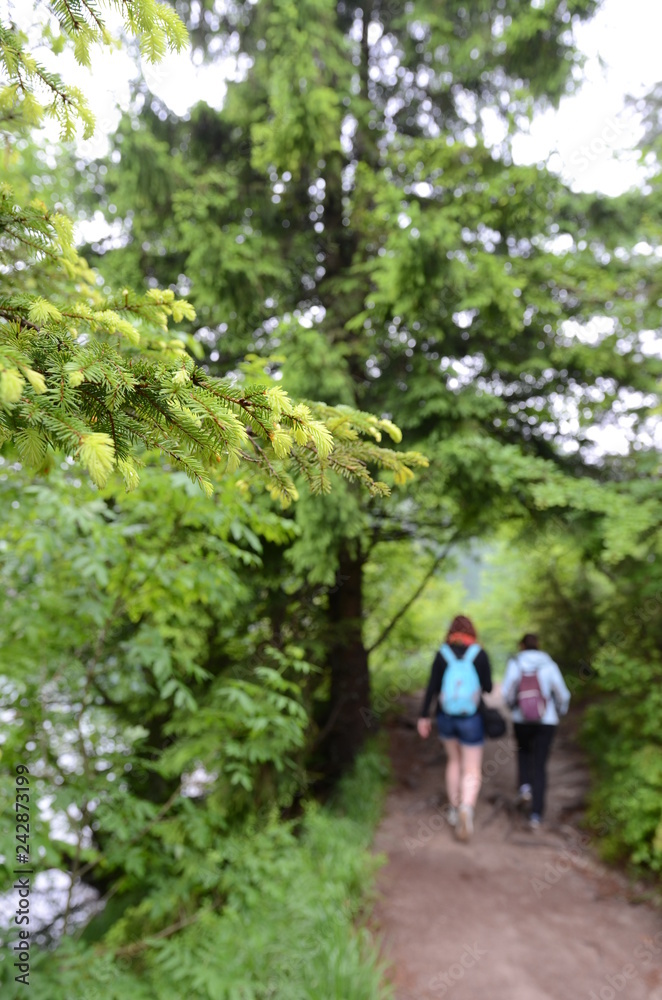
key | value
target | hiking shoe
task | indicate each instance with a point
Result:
(534, 822)
(451, 816)
(523, 797)
(465, 824)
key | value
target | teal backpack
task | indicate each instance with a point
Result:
(460, 688)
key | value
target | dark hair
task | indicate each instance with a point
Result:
(529, 641)
(462, 624)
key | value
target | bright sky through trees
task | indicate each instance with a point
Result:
(593, 132)
(591, 137)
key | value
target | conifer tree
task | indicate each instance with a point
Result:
(355, 207)
(95, 372)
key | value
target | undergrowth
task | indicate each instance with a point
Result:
(289, 924)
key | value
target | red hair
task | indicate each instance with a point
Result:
(461, 631)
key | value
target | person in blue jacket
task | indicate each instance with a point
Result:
(534, 739)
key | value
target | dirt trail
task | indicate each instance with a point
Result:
(514, 915)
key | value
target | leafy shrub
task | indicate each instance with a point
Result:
(279, 921)
(621, 732)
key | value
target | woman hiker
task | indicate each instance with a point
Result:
(534, 689)
(460, 673)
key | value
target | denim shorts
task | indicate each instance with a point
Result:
(467, 729)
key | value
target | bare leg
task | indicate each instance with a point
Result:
(472, 760)
(453, 761)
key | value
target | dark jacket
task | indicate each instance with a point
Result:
(483, 669)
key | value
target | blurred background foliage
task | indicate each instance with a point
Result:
(192, 679)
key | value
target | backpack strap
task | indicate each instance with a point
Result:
(469, 655)
(448, 654)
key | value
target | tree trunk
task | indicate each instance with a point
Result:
(349, 714)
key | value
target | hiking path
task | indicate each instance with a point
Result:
(514, 914)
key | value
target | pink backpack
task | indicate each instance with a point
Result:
(530, 699)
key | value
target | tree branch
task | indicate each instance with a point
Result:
(417, 593)
(129, 950)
